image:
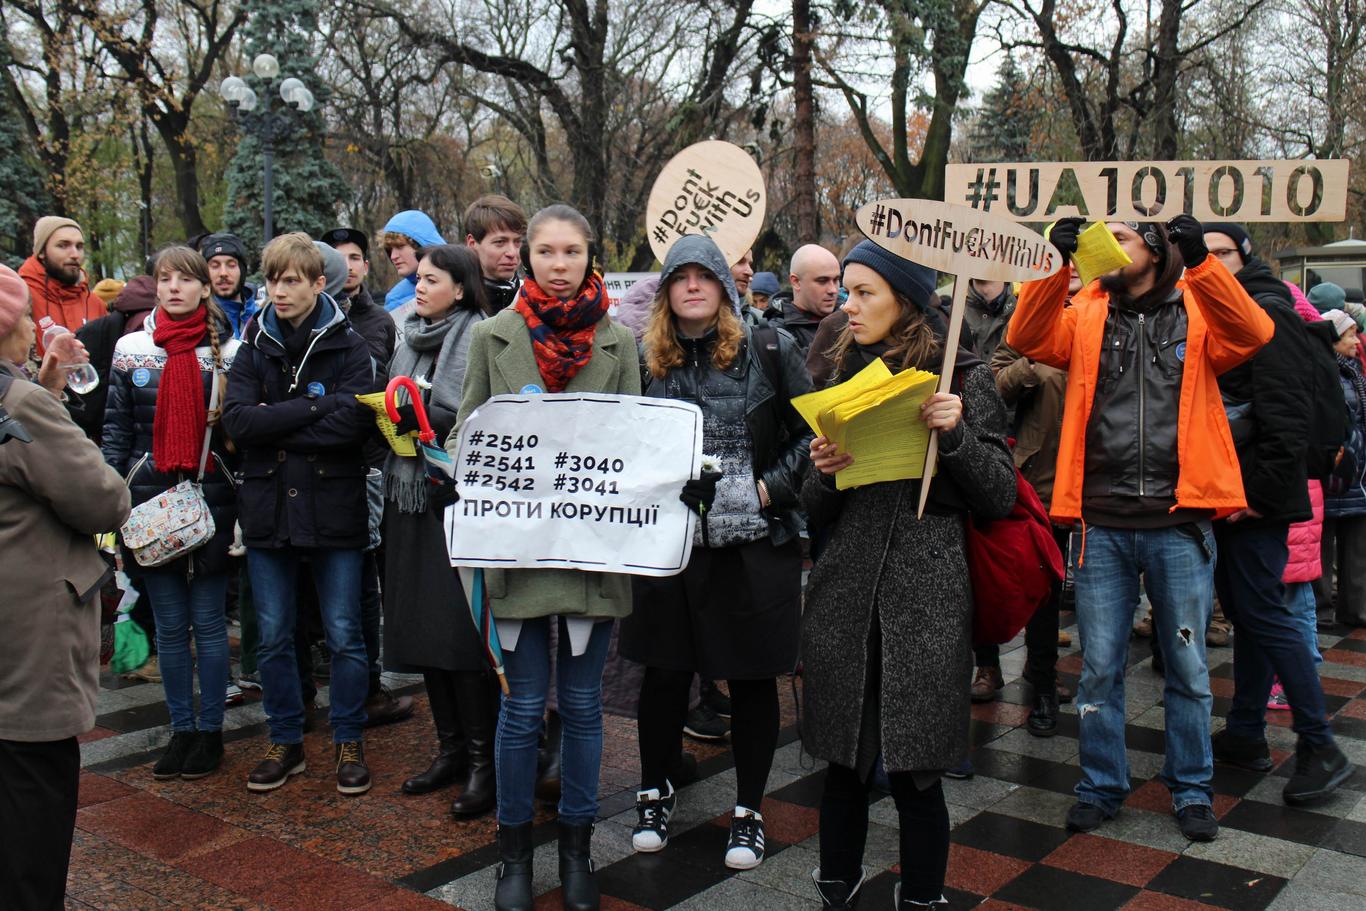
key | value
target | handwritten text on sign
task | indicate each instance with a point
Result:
(958, 240)
(575, 481)
(712, 188)
(1241, 191)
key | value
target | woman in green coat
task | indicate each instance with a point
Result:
(556, 337)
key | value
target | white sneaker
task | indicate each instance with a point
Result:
(745, 849)
(651, 833)
(233, 694)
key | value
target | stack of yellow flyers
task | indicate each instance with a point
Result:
(875, 417)
(1098, 253)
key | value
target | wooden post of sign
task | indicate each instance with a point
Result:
(960, 305)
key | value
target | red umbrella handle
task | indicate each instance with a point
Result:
(425, 432)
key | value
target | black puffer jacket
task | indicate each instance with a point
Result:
(800, 325)
(373, 324)
(1263, 398)
(780, 438)
(129, 418)
(299, 427)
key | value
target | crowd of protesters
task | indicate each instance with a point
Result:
(1195, 427)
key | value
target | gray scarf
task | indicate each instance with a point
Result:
(445, 344)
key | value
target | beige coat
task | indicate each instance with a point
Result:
(55, 493)
(501, 361)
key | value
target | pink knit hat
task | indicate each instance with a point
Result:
(13, 300)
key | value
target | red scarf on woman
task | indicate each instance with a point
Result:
(561, 330)
(178, 428)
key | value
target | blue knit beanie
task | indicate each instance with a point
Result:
(1327, 296)
(913, 280)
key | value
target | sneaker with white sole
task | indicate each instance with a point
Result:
(250, 681)
(651, 833)
(745, 849)
(233, 694)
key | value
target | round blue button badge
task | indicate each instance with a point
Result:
(316, 388)
(1181, 352)
(532, 389)
(141, 377)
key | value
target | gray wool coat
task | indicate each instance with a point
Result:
(886, 637)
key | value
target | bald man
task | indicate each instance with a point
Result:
(815, 278)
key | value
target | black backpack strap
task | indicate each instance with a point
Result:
(765, 342)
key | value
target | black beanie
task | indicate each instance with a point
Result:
(1237, 232)
(224, 245)
(913, 280)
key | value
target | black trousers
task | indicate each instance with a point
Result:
(38, 784)
(1041, 637)
(923, 821)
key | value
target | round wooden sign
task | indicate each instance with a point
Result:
(958, 240)
(713, 188)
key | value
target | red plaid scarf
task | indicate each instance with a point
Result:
(561, 330)
(178, 426)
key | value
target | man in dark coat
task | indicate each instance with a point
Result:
(815, 278)
(495, 228)
(126, 313)
(1264, 401)
(367, 317)
(227, 259)
(291, 408)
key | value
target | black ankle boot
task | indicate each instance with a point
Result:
(580, 888)
(513, 892)
(480, 722)
(451, 762)
(548, 780)
(839, 894)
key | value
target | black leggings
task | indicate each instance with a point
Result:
(923, 821)
(753, 730)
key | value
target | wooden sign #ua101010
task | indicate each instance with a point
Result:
(966, 243)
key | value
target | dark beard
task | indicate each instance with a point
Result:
(1113, 283)
(64, 276)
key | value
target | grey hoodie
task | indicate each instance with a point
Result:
(701, 250)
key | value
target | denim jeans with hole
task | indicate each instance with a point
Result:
(1177, 565)
(274, 574)
(178, 604)
(578, 683)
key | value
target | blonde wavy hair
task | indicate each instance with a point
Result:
(662, 349)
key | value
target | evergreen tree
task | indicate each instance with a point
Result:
(23, 196)
(1006, 120)
(308, 187)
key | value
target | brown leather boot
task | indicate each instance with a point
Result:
(281, 761)
(352, 775)
(986, 686)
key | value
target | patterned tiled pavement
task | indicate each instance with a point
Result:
(213, 845)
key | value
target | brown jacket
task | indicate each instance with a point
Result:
(55, 493)
(1036, 392)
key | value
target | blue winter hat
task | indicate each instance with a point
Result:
(1327, 296)
(764, 283)
(914, 281)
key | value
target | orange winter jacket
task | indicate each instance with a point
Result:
(1224, 328)
(71, 306)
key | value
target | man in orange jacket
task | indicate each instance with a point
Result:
(1145, 462)
(55, 275)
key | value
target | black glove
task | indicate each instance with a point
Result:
(1063, 235)
(407, 420)
(699, 493)
(1189, 237)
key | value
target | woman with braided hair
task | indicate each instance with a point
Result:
(158, 412)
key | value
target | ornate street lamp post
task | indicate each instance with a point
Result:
(266, 124)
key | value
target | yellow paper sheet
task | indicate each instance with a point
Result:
(876, 418)
(399, 443)
(1098, 252)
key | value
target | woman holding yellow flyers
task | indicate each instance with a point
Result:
(886, 638)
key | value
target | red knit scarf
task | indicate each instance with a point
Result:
(561, 330)
(178, 428)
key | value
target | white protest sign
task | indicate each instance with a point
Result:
(1239, 191)
(966, 243)
(713, 188)
(618, 283)
(576, 481)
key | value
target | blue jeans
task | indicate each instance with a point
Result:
(273, 583)
(1269, 638)
(1299, 597)
(179, 603)
(1177, 565)
(578, 684)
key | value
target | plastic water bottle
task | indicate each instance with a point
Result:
(80, 378)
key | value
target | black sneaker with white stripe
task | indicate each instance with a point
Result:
(651, 833)
(745, 849)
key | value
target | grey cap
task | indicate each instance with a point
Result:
(698, 249)
(334, 268)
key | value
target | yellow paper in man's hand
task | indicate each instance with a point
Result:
(1098, 252)
(882, 428)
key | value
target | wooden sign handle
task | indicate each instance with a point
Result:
(960, 304)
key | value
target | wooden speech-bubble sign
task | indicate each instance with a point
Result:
(713, 188)
(967, 244)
